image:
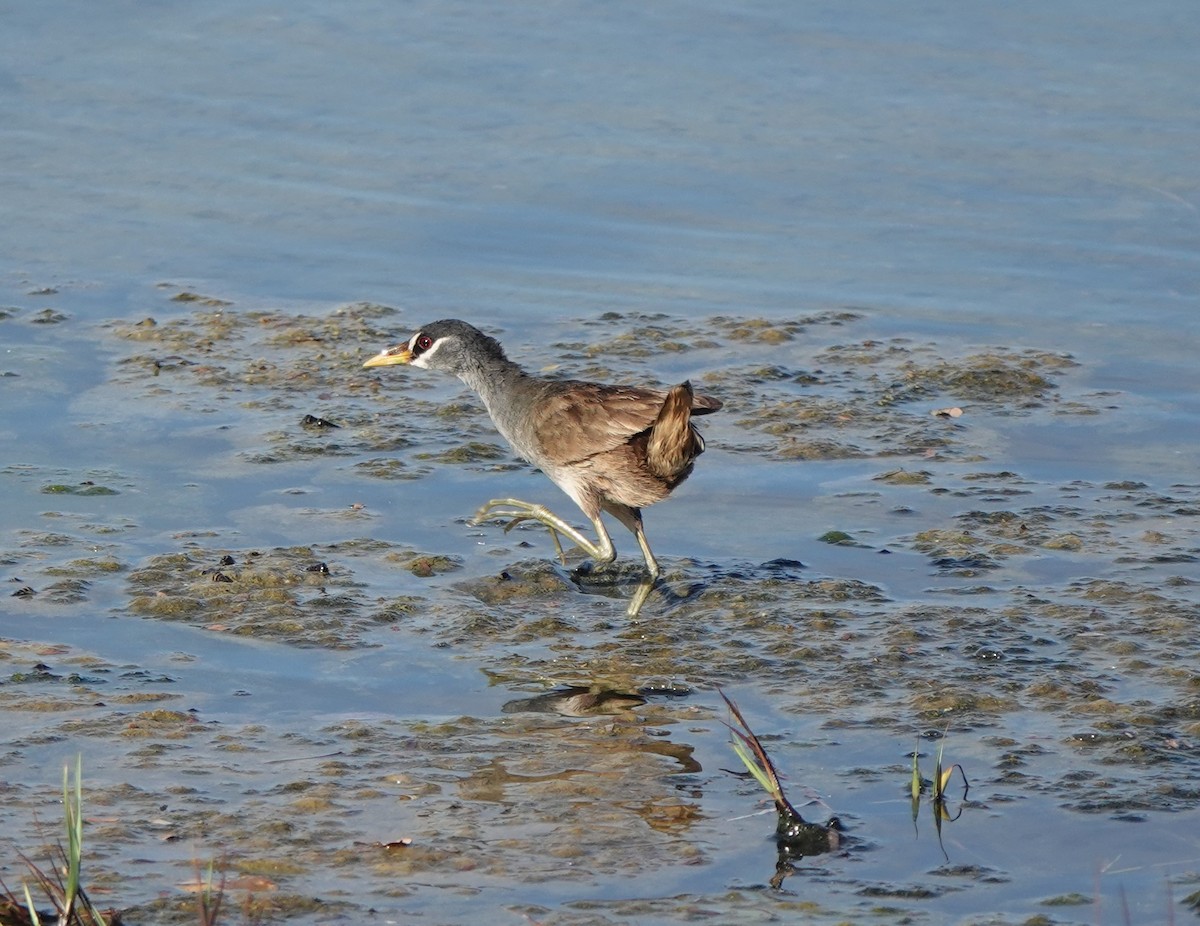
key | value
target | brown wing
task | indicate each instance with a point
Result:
(578, 420)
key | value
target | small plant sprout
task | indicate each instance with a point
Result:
(750, 750)
(942, 776)
(211, 895)
(794, 836)
(73, 816)
(61, 881)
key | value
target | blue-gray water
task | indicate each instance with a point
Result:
(960, 175)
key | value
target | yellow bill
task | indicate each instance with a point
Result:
(391, 356)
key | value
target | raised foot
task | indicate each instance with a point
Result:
(516, 511)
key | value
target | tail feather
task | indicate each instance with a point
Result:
(674, 442)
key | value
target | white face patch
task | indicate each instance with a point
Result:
(421, 357)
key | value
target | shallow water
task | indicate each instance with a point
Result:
(282, 645)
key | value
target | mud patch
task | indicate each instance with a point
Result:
(291, 595)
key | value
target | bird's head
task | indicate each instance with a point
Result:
(449, 345)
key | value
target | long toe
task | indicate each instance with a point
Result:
(504, 507)
(516, 511)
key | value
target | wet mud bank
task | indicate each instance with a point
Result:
(240, 581)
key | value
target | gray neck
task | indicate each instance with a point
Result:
(506, 391)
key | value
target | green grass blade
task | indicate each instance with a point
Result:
(33, 916)
(73, 816)
(753, 767)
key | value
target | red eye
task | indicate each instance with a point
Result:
(423, 343)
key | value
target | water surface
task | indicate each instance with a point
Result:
(838, 220)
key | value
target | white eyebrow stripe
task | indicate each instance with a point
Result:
(420, 359)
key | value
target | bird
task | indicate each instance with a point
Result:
(610, 448)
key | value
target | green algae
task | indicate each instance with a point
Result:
(85, 489)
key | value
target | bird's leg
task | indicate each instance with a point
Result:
(516, 511)
(640, 594)
(632, 519)
(602, 551)
(651, 562)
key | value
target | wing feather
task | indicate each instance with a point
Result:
(579, 420)
(576, 420)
